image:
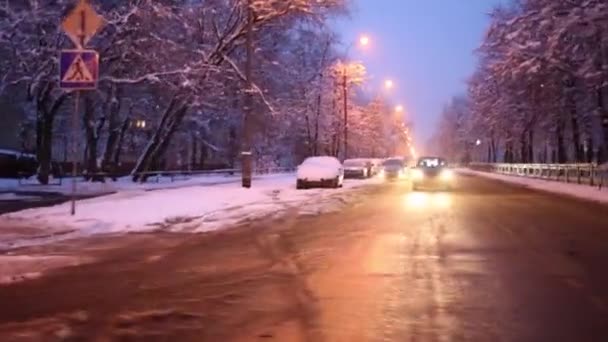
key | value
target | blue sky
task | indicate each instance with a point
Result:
(425, 46)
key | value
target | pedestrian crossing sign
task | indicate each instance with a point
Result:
(78, 69)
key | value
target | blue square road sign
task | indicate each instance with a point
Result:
(78, 69)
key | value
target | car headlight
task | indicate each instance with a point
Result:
(447, 175)
(417, 174)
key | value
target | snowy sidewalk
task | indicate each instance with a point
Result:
(187, 209)
(586, 192)
(8, 186)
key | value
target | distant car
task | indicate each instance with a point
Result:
(432, 173)
(394, 168)
(320, 172)
(357, 168)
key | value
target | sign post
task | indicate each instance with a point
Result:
(79, 68)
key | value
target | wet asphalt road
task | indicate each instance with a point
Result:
(486, 262)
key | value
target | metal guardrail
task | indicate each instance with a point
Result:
(588, 174)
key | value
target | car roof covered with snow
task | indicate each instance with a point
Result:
(325, 161)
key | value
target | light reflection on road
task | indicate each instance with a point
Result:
(427, 200)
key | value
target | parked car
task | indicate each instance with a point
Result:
(14, 164)
(357, 168)
(320, 172)
(432, 173)
(394, 168)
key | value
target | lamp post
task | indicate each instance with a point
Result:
(363, 41)
(246, 153)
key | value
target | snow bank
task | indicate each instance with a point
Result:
(123, 183)
(575, 190)
(187, 209)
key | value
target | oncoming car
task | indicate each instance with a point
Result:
(432, 173)
(394, 168)
(320, 172)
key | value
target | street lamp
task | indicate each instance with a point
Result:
(399, 109)
(363, 41)
(388, 84)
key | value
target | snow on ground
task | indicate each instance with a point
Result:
(185, 209)
(10, 196)
(16, 268)
(575, 190)
(123, 183)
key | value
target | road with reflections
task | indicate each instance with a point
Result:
(485, 262)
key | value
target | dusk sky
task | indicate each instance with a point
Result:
(425, 46)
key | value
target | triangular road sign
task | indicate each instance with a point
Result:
(78, 69)
(78, 72)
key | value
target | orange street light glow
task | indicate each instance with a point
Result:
(388, 84)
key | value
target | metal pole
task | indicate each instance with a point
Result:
(345, 94)
(74, 151)
(246, 144)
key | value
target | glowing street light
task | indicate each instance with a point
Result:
(388, 84)
(478, 142)
(399, 109)
(364, 40)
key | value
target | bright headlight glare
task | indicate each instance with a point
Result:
(418, 174)
(447, 175)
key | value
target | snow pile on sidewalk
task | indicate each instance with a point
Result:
(587, 192)
(123, 183)
(189, 209)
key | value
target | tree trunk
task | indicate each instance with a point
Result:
(194, 151)
(145, 160)
(114, 128)
(315, 150)
(174, 124)
(44, 151)
(494, 147)
(531, 146)
(523, 158)
(559, 138)
(589, 151)
(46, 109)
(119, 144)
(203, 156)
(91, 139)
(576, 136)
(601, 104)
(309, 139)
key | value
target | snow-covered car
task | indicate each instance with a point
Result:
(357, 168)
(320, 172)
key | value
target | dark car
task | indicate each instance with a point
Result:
(394, 168)
(357, 168)
(432, 173)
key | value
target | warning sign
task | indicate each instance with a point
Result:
(78, 72)
(79, 69)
